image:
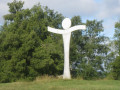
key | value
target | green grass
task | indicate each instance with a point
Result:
(59, 84)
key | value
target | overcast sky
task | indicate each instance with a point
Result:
(106, 10)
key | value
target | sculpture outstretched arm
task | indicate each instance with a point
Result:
(83, 27)
(58, 31)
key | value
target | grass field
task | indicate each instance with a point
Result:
(59, 84)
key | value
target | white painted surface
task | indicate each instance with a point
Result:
(66, 40)
(66, 23)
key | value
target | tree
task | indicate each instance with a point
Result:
(90, 50)
(116, 62)
(76, 40)
(116, 68)
(27, 49)
(14, 7)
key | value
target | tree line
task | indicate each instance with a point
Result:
(28, 50)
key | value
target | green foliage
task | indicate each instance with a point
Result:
(14, 7)
(116, 63)
(116, 68)
(27, 49)
(87, 72)
(89, 49)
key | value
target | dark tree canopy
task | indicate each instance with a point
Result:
(27, 49)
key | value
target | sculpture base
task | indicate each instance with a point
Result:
(66, 77)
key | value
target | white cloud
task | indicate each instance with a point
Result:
(68, 8)
(72, 7)
(30, 3)
(106, 10)
(109, 26)
(3, 10)
(109, 9)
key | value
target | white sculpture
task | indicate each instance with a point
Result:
(66, 33)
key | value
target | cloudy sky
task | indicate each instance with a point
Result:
(106, 10)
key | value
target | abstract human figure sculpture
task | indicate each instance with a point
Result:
(66, 33)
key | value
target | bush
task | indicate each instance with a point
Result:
(116, 68)
(87, 72)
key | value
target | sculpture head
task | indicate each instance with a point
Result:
(66, 23)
